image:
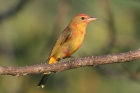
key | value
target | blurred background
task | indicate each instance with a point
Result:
(29, 28)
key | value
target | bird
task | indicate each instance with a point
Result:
(68, 42)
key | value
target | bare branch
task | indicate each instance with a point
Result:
(72, 64)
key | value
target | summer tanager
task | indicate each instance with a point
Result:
(68, 42)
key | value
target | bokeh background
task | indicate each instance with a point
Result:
(29, 28)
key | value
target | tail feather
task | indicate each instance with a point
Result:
(43, 80)
(45, 76)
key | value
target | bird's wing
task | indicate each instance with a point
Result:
(60, 41)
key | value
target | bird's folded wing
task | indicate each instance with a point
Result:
(60, 41)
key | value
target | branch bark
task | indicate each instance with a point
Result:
(72, 64)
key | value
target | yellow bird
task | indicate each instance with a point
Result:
(68, 42)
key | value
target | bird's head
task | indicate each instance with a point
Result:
(81, 21)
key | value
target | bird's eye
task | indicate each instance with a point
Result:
(82, 18)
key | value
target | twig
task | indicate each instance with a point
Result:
(72, 64)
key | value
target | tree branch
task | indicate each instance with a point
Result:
(72, 64)
(13, 10)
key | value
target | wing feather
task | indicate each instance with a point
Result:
(60, 41)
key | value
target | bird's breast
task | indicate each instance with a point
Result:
(77, 39)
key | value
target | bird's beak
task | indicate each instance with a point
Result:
(91, 19)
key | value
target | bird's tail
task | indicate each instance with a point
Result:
(43, 80)
(46, 74)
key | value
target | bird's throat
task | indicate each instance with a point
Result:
(79, 27)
